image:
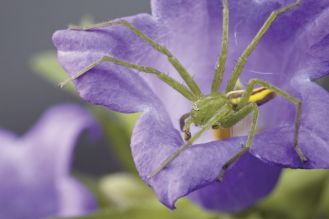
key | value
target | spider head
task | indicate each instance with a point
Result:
(205, 108)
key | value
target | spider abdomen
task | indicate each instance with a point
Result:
(259, 96)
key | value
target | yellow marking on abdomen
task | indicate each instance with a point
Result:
(259, 96)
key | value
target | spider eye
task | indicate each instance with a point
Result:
(195, 107)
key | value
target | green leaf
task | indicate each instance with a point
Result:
(153, 211)
(301, 194)
(117, 128)
(323, 207)
(130, 198)
(125, 190)
(149, 212)
(297, 195)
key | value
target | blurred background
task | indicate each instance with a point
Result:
(26, 29)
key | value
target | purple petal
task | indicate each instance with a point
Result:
(197, 47)
(192, 30)
(73, 198)
(7, 138)
(312, 47)
(36, 167)
(111, 85)
(310, 55)
(56, 133)
(246, 17)
(277, 145)
(268, 62)
(249, 180)
(252, 14)
(154, 139)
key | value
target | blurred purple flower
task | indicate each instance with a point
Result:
(292, 55)
(34, 168)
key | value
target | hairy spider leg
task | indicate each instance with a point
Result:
(162, 76)
(162, 49)
(251, 47)
(220, 68)
(233, 119)
(218, 116)
(292, 99)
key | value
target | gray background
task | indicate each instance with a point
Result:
(26, 28)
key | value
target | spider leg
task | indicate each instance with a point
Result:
(292, 99)
(186, 129)
(220, 68)
(232, 120)
(224, 110)
(185, 123)
(251, 47)
(163, 50)
(162, 76)
(183, 119)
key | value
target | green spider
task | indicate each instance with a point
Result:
(215, 110)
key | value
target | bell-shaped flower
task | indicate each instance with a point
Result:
(35, 167)
(291, 55)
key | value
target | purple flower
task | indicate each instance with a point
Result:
(291, 56)
(34, 168)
